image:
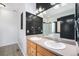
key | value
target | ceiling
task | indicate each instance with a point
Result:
(13, 6)
(69, 8)
(21, 6)
(18, 6)
(46, 6)
(41, 7)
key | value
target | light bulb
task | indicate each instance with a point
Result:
(40, 9)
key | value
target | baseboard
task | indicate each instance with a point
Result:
(8, 44)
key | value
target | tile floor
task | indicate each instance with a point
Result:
(10, 50)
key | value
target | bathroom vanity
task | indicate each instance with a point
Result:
(37, 50)
(36, 46)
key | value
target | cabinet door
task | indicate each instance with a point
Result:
(39, 54)
(31, 49)
(32, 52)
(44, 52)
(28, 48)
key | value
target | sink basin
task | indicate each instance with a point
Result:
(54, 45)
(35, 38)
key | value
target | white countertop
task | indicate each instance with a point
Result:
(70, 50)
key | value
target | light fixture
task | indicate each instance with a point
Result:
(2, 5)
(40, 9)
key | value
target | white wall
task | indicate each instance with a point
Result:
(8, 27)
(53, 28)
(47, 28)
(30, 7)
(10, 21)
(22, 42)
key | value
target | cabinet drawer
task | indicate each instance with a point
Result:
(38, 54)
(44, 52)
(31, 48)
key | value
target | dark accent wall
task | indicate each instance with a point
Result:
(33, 24)
(67, 27)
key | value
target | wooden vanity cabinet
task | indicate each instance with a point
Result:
(31, 48)
(36, 50)
(43, 52)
